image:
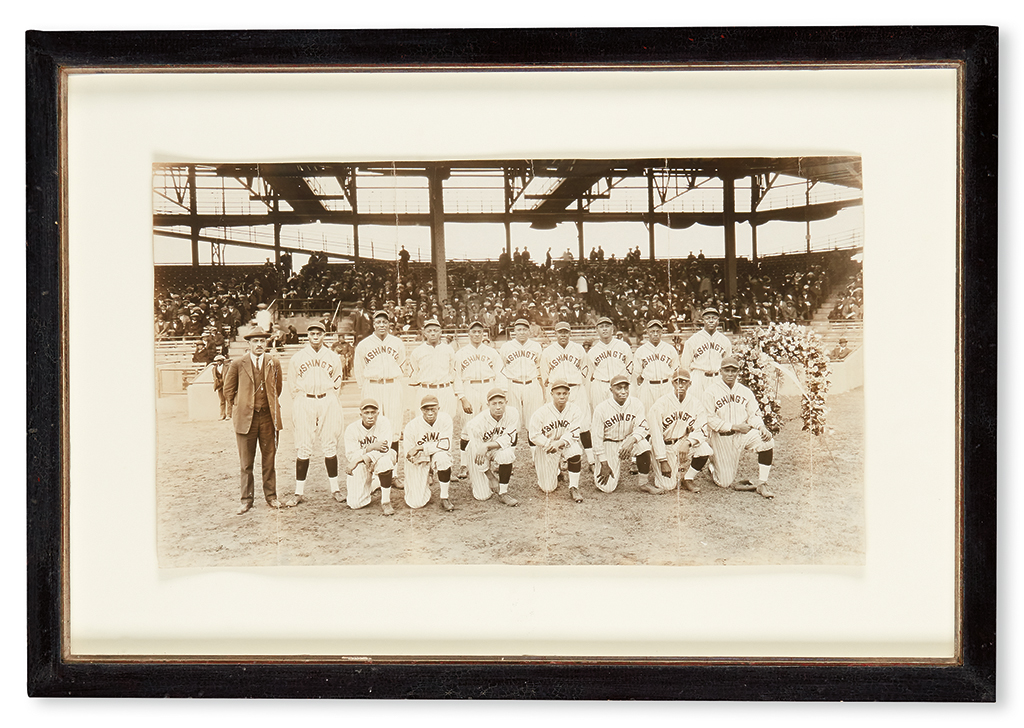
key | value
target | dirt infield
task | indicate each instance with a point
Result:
(817, 516)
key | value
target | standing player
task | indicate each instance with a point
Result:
(621, 434)
(703, 353)
(428, 444)
(314, 376)
(610, 356)
(433, 367)
(379, 361)
(492, 442)
(477, 366)
(555, 430)
(369, 454)
(655, 362)
(735, 425)
(678, 426)
(520, 359)
(567, 361)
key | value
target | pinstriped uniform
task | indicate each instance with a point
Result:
(655, 364)
(521, 369)
(548, 426)
(612, 424)
(363, 481)
(615, 357)
(484, 429)
(726, 407)
(476, 371)
(378, 371)
(675, 425)
(315, 380)
(433, 372)
(436, 440)
(702, 355)
(572, 365)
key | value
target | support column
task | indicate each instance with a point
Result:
(435, 179)
(729, 223)
(192, 209)
(807, 213)
(277, 233)
(755, 198)
(650, 210)
(508, 212)
(352, 200)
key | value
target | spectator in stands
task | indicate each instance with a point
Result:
(841, 351)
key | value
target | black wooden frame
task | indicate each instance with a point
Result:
(48, 55)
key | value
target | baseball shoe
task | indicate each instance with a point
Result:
(294, 500)
(274, 503)
(691, 486)
(507, 499)
(463, 473)
(651, 488)
(762, 490)
(576, 495)
(744, 485)
(338, 496)
(386, 509)
(633, 470)
(244, 508)
(446, 505)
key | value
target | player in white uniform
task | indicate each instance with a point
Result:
(380, 358)
(569, 362)
(735, 425)
(703, 353)
(492, 446)
(621, 434)
(428, 445)
(555, 430)
(679, 437)
(610, 356)
(477, 367)
(520, 358)
(314, 377)
(369, 454)
(655, 359)
(433, 368)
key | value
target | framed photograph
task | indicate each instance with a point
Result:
(581, 364)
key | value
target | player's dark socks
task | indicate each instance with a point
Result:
(385, 478)
(699, 463)
(504, 473)
(444, 476)
(765, 458)
(394, 446)
(331, 464)
(575, 464)
(586, 441)
(463, 444)
(643, 463)
(301, 468)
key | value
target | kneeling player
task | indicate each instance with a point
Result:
(678, 435)
(492, 444)
(619, 428)
(369, 453)
(428, 442)
(555, 433)
(735, 425)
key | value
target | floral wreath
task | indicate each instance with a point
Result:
(761, 353)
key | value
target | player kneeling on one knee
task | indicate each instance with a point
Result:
(555, 432)
(678, 434)
(492, 445)
(428, 442)
(619, 427)
(370, 457)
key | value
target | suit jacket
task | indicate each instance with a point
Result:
(239, 388)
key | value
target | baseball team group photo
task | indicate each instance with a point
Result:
(516, 362)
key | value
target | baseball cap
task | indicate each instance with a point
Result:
(368, 402)
(522, 322)
(681, 373)
(604, 320)
(655, 322)
(316, 325)
(475, 324)
(432, 322)
(556, 383)
(710, 309)
(563, 326)
(730, 361)
(619, 379)
(429, 400)
(495, 392)
(382, 314)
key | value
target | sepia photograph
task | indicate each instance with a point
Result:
(625, 361)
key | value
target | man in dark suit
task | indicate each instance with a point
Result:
(253, 385)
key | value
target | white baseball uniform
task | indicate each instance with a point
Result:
(315, 380)
(572, 365)
(655, 364)
(476, 371)
(615, 357)
(484, 429)
(549, 426)
(702, 355)
(436, 440)
(433, 372)
(726, 407)
(612, 424)
(363, 480)
(676, 425)
(378, 372)
(521, 369)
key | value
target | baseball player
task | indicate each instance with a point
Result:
(735, 425)
(520, 365)
(492, 446)
(433, 367)
(610, 356)
(555, 430)
(703, 353)
(314, 376)
(678, 426)
(567, 361)
(369, 454)
(379, 361)
(428, 443)
(655, 361)
(477, 367)
(620, 433)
